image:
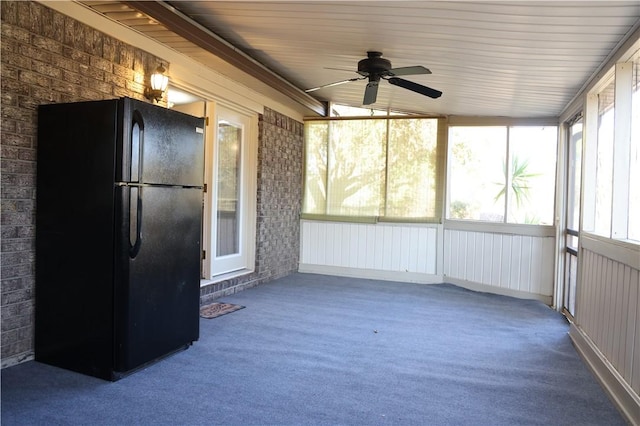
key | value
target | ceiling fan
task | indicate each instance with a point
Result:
(374, 68)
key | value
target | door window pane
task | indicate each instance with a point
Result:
(476, 178)
(228, 189)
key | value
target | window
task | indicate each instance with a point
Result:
(604, 167)
(612, 163)
(634, 167)
(375, 168)
(502, 174)
(356, 167)
(411, 168)
(476, 161)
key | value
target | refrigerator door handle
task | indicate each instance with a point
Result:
(137, 143)
(135, 221)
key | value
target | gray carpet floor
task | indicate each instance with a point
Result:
(320, 350)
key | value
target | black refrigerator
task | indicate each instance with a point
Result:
(118, 235)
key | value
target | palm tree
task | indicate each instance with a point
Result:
(520, 177)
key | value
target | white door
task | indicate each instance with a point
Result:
(231, 191)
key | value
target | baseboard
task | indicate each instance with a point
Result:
(17, 359)
(470, 285)
(211, 297)
(375, 274)
(620, 392)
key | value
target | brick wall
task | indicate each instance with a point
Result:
(280, 148)
(280, 165)
(46, 58)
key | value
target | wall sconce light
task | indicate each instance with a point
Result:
(159, 82)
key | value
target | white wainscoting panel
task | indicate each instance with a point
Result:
(608, 311)
(373, 247)
(606, 330)
(517, 263)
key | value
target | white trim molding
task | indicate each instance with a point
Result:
(373, 274)
(484, 288)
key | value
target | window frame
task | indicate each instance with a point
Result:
(508, 123)
(440, 169)
(621, 74)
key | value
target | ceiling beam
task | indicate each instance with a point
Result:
(184, 26)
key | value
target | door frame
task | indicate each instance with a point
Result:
(562, 200)
(216, 111)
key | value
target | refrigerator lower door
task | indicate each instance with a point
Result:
(158, 293)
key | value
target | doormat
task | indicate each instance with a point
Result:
(215, 310)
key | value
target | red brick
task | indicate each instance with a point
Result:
(34, 78)
(44, 95)
(65, 63)
(8, 126)
(9, 12)
(16, 140)
(17, 59)
(101, 64)
(15, 32)
(46, 43)
(17, 114)
(45, 68)
(75, 55)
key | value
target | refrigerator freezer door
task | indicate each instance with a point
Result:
(161, 146)
(157, 301)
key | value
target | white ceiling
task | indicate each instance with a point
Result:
(516, 59)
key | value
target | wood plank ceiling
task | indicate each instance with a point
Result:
(514, 59)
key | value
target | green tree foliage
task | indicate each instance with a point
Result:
(353, 167)
(520, 181)
(412, 168)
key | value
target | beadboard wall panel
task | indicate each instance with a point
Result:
(606, 328)
(521, 263)
(373, 247)
(608, 311)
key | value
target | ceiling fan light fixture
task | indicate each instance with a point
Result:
(374, 68)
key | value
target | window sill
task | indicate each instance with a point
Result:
(501, 228)
(621, 251)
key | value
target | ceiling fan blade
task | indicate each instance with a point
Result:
(415, 87)
(338, 69)
(313, 89)
(370, 93)
(418, 69)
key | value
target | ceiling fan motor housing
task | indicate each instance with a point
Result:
(373, 65)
